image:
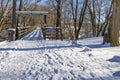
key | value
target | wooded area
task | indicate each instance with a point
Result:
(77, 18)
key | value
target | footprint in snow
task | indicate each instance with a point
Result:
(90, 55)
(71, 62)
(56, 71)
(93, 75)
(4, 56)
(48, 56)
(65, 78)
(50, 62)
(69, 65)
(51, 78)
(86, 49)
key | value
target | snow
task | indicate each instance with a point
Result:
(33, 58)
(11, 29)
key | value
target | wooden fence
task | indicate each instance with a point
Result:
(22, 31)
(52, 33)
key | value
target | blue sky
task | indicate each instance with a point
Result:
(43, 1)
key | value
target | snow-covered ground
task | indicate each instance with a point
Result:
(32, 58)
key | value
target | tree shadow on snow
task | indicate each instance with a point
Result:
(98, 45)
(117, 74)
(20, 76)
(114, 59)
(41, 48)
(56, 47)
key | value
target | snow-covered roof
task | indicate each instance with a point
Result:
(11, 29)
(32, 12)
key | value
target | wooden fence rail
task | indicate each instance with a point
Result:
(52, 33)
(22, 31)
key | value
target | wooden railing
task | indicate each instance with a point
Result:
(22, 31)
(52, 33)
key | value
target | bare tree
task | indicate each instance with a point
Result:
(74, 14)
(81, 18)
(78, 16)
(92, 12)
(4, 11)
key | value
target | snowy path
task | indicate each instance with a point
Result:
(32, 58)
(35, 35)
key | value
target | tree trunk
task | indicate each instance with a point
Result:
(82, 14)
(114, 29)
(14, 14)
(58, 22)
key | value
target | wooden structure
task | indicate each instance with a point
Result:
(52, 33)
(34, 13)
(48, 32)
(22, 31)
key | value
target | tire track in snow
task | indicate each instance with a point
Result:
(31, 37)
(38, 35)
(35, 35)
(27, 36)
